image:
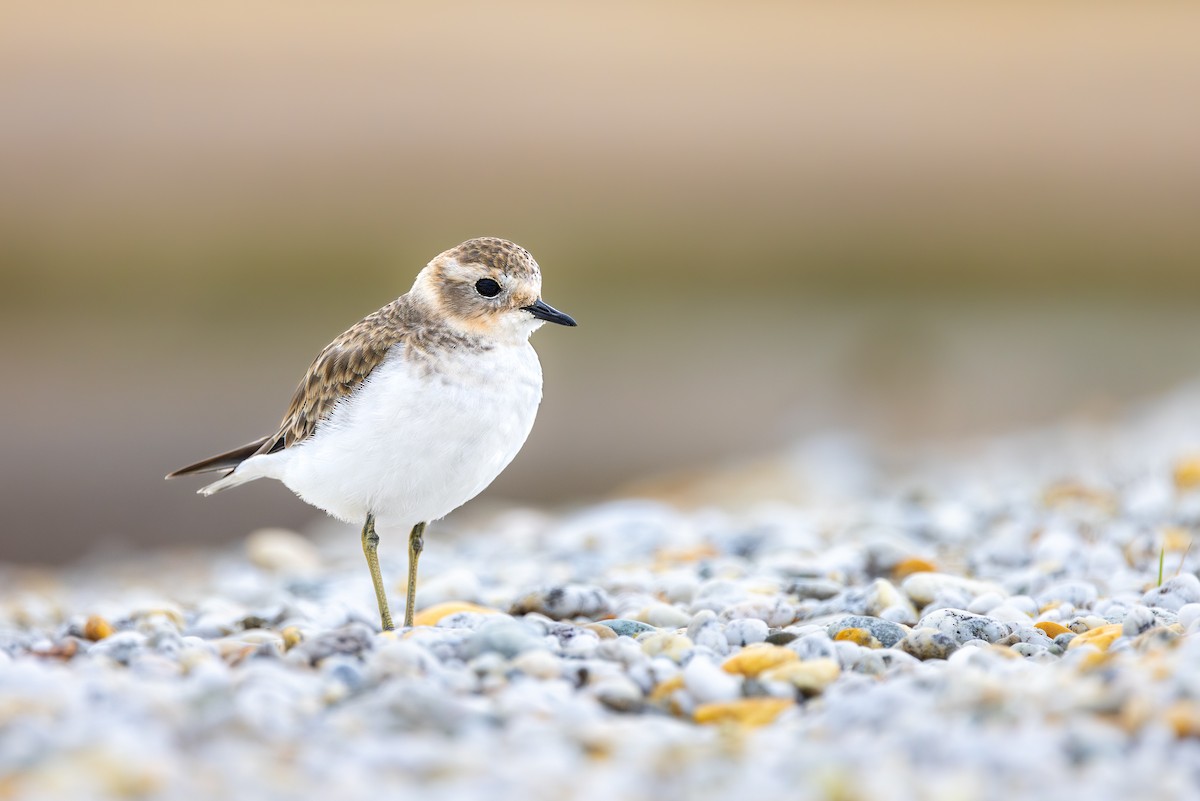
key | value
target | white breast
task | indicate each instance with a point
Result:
(414, 443)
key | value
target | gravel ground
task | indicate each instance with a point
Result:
(984, 621)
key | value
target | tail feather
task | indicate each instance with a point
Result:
(222, 461)
(231, 479)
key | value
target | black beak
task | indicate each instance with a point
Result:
(543, 311)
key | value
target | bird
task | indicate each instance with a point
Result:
(415, 409)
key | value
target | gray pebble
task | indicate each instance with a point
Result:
(706, 631)
(816, 589)
(814, 646)
(505, 636)
(120, 647)
(745, 631)
(568, 601)
(628, 628)
(927, 643)
(1064, 639)
(350, 640)
(344, 670)
(1174, 593)
(618, 693)
(964, 626)
(1138, 620)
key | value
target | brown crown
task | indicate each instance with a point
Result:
(496, 254)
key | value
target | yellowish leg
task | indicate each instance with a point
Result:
(416, 544)
(370, 543)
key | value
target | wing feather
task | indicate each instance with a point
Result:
(337, 372)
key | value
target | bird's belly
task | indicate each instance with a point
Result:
(413, 445)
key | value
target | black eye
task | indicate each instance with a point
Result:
(487, 287)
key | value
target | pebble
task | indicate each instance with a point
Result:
(1007, 613)
(605, 632)
(506, 636)
(928, 643)
(860, 637)
(119, 647)
(707, 682)
(964, 626)
(885, 632)
(664, 616)
(569, 601)
(1188, 615)
(433, 615)
(97, 628)
(818, 589)
(811, 677)
(618, 693)
(672, 646)
(626, 628)
(816, 645)
(1186, 473)
(706, 632)
(1052, 629)
(771, 611)
(746, 631)
(925, 588)
(1101, 637)
(1139, 619)
(1183, 717)
(745, 711)
(755, 659)
(1175, 593)
(282, 551)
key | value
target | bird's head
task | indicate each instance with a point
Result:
(488, 287)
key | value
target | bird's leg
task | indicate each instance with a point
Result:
(370, 542)
(416, 543)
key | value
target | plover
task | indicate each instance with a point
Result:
(416, 408)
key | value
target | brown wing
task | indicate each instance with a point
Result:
(337, 372)
(334, 374)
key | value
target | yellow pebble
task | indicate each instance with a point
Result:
(672, 646)
(432, 615)
(810, 677)
(664, 689)
(1051, 629)
(291, 637)
(1184, 718)
(913, 564)
(1100, 637)
(858, 637)
(1176, 539)
(746, 711)
(754, 659)
(1187, 473)
(1094, 660)
(603, 632)
(97, 628)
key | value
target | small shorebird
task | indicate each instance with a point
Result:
(415, 409)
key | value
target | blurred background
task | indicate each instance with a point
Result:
(772, 219)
